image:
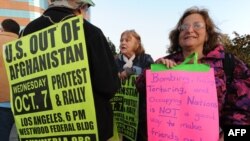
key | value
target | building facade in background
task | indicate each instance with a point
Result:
(23, 11)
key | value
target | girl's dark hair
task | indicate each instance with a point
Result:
(10, 25)
(214, 36)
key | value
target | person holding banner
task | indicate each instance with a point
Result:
(132, 60)
(103, 71)
(196, 32)
(9, 31)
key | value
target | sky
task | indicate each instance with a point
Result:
(154, 19)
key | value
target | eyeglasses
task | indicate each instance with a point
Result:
(196, 26)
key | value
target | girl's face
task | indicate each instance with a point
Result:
(193, 33)
(128, 45)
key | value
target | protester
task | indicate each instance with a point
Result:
(132, 60)
(103, 71)
(9, 31)
(196, 32)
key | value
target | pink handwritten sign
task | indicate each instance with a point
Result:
(182, 106)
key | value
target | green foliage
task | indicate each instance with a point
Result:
(239, 46)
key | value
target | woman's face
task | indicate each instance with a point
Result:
(193, 33)
(128, 45)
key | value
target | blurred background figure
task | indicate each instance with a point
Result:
(9, 31)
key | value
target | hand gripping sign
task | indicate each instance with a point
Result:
(182, 103)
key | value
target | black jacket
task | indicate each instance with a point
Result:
(103, 71)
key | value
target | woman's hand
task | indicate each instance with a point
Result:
(169, 63)
(123, 75)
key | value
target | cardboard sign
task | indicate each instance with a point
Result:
(126, 107)
(51, 92)
(182, 106)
